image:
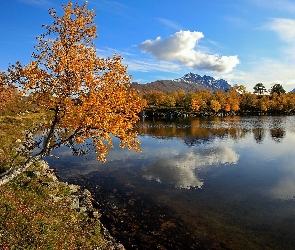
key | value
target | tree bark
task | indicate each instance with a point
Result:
(10, 175)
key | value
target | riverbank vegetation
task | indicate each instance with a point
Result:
(37, 215)
(235, 101)
(34, 209)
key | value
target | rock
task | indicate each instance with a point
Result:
(80, 200)
(74, 188)
(74, 201)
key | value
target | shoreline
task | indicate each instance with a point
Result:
(80, 200)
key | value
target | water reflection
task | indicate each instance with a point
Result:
(259, 134)
(180, 170)
(277, 134)
(205, 129)
(285, 189)
(245, 167)
(175, 151)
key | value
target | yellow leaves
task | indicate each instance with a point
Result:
(226, 107)
(101, 157)
(215, 105)
(88, 96)
(235, 106)
(195, 105)
(9, 95)
(88, 121)
(102, 148)
(130, 142)
(79, 140)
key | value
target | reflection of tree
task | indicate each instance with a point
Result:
(259, 134)
(196, 141)
(277, 134)
(277, 130)
(196, 131)
(192, 131)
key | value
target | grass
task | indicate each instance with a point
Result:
(33, 214)
(12, 129)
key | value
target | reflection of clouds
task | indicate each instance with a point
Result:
(180, 170)
(278, 156)
(118, 158)
(285, 189)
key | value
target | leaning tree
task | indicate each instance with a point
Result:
(89, 98)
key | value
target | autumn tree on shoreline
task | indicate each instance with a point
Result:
(89, 97)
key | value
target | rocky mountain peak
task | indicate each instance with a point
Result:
(206, 81)
(189, 82)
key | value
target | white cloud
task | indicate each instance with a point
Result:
(178, 173)
(150, 65)
(285, 189)
(282, 5)
(266, 70)
(284, 27)
(138, 63)
(180, 47)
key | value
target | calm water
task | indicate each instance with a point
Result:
(210, 183)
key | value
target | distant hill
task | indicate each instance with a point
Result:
(189, 82)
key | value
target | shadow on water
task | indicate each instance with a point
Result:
(198, 184)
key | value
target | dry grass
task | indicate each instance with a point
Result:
(29, 218)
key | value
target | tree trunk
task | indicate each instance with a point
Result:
(10, 175)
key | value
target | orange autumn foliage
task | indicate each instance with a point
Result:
(9, 96)
(90, 97)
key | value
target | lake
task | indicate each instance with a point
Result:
(199, 183)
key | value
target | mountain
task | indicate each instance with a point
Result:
(206, 81)
(189, 82)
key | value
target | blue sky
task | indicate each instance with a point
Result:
(241, 41)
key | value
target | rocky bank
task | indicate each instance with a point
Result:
(80, 200)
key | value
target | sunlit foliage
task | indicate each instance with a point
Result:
(88, 96)
(236, 101)
(10, 98)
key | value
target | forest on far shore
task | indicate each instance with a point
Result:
(235, 101)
